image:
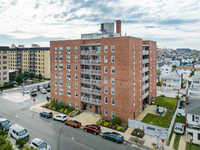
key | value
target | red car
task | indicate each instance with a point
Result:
(95, 129)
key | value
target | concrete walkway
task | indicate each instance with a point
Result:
(182, 143)
(172, 140)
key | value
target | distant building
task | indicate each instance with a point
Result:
(166, 69)
(175, 63)
(185, 71)
(34, 59)
(4, 73)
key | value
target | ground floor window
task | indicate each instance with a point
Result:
(198, 136)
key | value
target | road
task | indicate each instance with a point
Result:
(48, 129)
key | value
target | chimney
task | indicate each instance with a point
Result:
(118, 26)
(186, 99)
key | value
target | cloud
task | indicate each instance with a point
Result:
(169, 22)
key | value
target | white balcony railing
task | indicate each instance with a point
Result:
(91, 100)
(145, 86)
(90, 71)
(90, 52)
(145, 78)
(90, 62)
(91, 91)
(145, 52)
(145, 61)
(145, 69)
(145, 95)
(91, 81)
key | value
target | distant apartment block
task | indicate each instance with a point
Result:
(33, 59)
(4, 73)
(106, 73)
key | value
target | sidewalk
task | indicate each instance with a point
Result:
(182, 143)
(89, 118)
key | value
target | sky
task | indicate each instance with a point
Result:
(172, 23)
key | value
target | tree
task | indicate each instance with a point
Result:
(116, 120)
(31, 75)
(38, 88)
(11, 77)
(5, 144)
(40, 77)
(158, 74)
(19, 79)
(8, 84)
(192, 73)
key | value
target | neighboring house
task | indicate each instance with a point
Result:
(166, 69)
(175, 63)
(197, 66)
(185, 71)
(172, 81)
(197, 71)
(159, 65)
(194, 89)
(193, 120)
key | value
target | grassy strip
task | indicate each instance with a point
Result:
(176, 142)
(193, 146)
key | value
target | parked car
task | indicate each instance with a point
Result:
(48, 89)
(45, 86)
(113, 136)
(16, 131)
(33, 94)
(179, 128)
(46, 114)
(73, 123)
(26, 91)
(4, 124)
(39, 144)
(95, 129)
(40, 87)
(44, 91)
(60, 117)
(34, 89)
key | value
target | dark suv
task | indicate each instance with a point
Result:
(46, 114)
(113, 136)
(4, 124)
(95, 129)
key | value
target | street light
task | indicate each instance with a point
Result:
(191, 139)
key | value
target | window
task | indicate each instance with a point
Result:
(113, 48)
(76, 76)
(112, 70)
(60, 91)
(106, 90)
(112, 80)
(55, 74)
(105, 59)
(105, 79)
(76, 94)
(76, 49)
(76, 67)
(55, 57)
(60, 74)
(198, 136)
(61, 58)
(106, 100)
(68, 93)
(105, 49)
(60, 49)
(106, 113)
(68, 84)
(68, 49)
(76, 105)
(113, 101)
(68, 76)
(60, 66)
(90, 106)
(60, 82)
(113, 91)
(68, 67)
(55, 49)
(55, 82)
(68, 58)
(105, 69)
(69, 103)
(112, 114)
(56, 90)
(112, 59)
(76, 58)
(76, 85)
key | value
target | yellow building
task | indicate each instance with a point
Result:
(33, 59)
(4, 73)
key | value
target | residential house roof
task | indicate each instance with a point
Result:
(196, 77)
(193, 107)
(185, 67)
(173, 75)
(197, 69)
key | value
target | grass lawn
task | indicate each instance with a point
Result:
(193, 147)
(162, 121)
(176, 142)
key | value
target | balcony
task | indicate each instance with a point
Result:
(145, 78)
(91, 81)
(32, 60)
(91, 100)
(145, 86)
(90, 52)
(90, 71)
(145, 61)
(18, 67)
(145, 69)
(145, 95)
(32, 68)
(91, 91)
(32, 53)
(32, 57)
(145, 52)
(90, 62)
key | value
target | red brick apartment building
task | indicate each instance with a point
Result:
(105, 73)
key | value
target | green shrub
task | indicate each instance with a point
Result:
(61, 110)
(116, 120)
(66, 111)
(99, 121)
(54, 108)
(119, 128)
(74, 113)
(50, 106)
(106, 124)
(138, 132)
(21, 142)
(60, 105)
(123, 129)
(71, 109)
(27, 147)
(3, 133)
(5, 144)
(46, 105)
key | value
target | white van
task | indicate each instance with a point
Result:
(17, 132)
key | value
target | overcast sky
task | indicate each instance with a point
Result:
(172, 23)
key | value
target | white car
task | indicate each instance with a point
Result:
(44, 91)
(26, 91)
(39, 144)
(17, 132)
(60, 117)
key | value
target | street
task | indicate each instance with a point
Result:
(48, 129)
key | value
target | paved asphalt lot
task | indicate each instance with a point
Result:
(47, 129)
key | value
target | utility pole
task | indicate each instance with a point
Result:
(23, 87)
(59, 137)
